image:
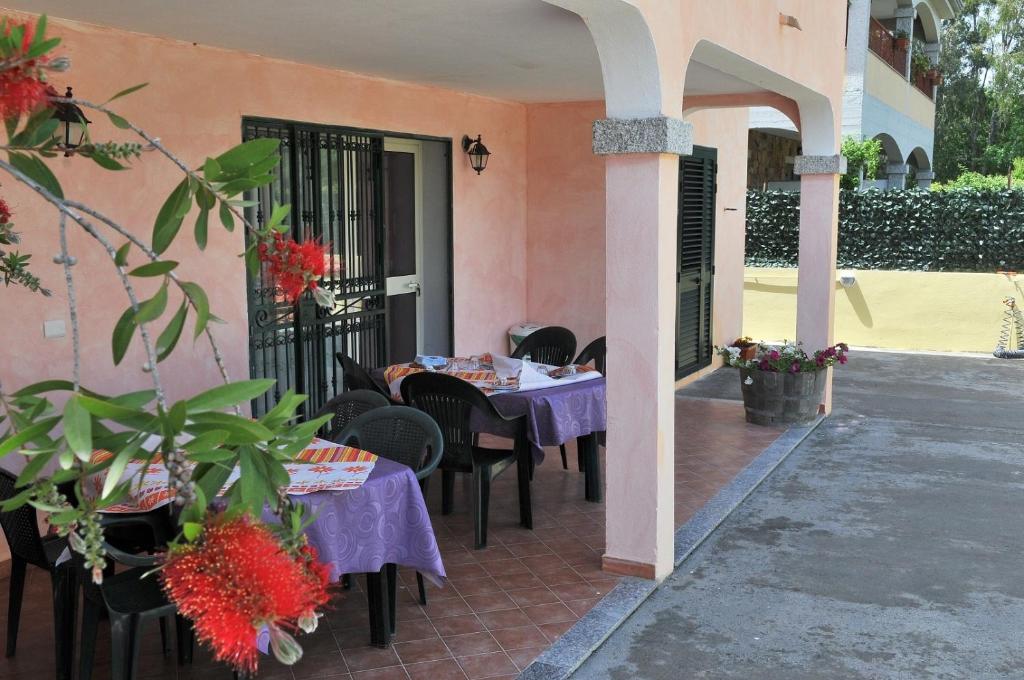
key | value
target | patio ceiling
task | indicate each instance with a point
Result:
(523, 50)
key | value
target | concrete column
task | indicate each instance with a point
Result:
(896, 173)
(905, 22)
(933, 51)
(642, 175)
(925, 178)
(816, 275)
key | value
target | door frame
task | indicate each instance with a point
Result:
(392, 283)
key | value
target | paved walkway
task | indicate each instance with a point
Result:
(888, 545)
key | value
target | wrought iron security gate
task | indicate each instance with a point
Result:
(332, 177)
(695, 259)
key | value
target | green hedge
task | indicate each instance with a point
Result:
(964, 230)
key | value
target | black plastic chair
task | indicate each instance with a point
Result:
(406, 436)
(451, 402)
(27, 547)
(348, 406)
(553, 345)
(595, 352)
(131, 600)
(355, 377)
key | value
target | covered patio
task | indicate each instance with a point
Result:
(587, 107)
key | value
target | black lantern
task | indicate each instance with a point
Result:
(71, 133)
(477, 152)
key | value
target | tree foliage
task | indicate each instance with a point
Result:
(980, 110)
(863, 158)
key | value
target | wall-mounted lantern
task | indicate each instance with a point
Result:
(477, 152)
(71, 133)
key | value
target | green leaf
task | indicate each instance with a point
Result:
(121, 259)
(277, 216)
(169, 338)
(168, 220)
(176, 418)
(118, 121)
(78, 428)
(226, 217)
(202, 304)
(252, 261)
(240, 430)
(210, 478)
(206, 441)
(106, 162)
(240, 158)
(102, 408)
(34, 168)
(44, 386)
(191, 530)
(202, 228)
(205, 198)
(212, 170)
(153, 307)
(158, 268)
(232, 394)
(32, 469)
(117, 466)
(212, 456)
(125, 92)
(123, 332)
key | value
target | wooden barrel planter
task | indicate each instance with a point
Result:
(781, 398)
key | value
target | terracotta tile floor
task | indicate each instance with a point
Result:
(503, 605)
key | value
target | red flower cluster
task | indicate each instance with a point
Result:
(5, 212)
(21, 90)
(294, 267)
(236, 580)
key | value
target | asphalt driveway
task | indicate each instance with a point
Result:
(889, 545)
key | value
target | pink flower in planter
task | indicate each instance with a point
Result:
(774, 355)
(794, 367)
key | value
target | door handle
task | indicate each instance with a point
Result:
(413, 286)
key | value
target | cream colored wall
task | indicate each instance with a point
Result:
(934, 311)
(889, 87)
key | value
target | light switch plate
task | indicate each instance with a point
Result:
(55, 328)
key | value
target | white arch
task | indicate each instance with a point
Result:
(919, 159)
(929, 21)
(817, 122)
(629, 60)
(891, 148)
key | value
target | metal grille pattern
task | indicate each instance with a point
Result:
(332, 177)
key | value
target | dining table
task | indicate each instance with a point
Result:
(367, 524)
(554, 413)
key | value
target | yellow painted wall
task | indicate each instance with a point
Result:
(936, 311)
(888, 86)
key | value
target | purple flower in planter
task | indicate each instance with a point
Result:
(794, 367)
(774, 355)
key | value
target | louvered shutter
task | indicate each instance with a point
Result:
(695, 259)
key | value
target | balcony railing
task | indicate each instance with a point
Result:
(882, 42)
(923, 83)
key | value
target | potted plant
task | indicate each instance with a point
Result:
(782, 384)
(935, 75)
(746, 346)
(902, 40)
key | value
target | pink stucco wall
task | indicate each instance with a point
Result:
(195, 102)
(566, 217)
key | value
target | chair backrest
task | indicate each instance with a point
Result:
(348, 406)
(355, 377)
(398, 433)
(596, 352)
(450, 401)
(552, 345)
(20, 526)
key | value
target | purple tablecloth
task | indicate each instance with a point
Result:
(555, 415)
(384, 521)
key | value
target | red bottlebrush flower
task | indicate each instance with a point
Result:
(236, 580)
(21, 88)
(5, 212)
(294, 267)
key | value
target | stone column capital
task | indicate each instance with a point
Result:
(660, 134)
(897, 169)
(905, 13)
(820, 165)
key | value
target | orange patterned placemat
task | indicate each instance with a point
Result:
(319, 451)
